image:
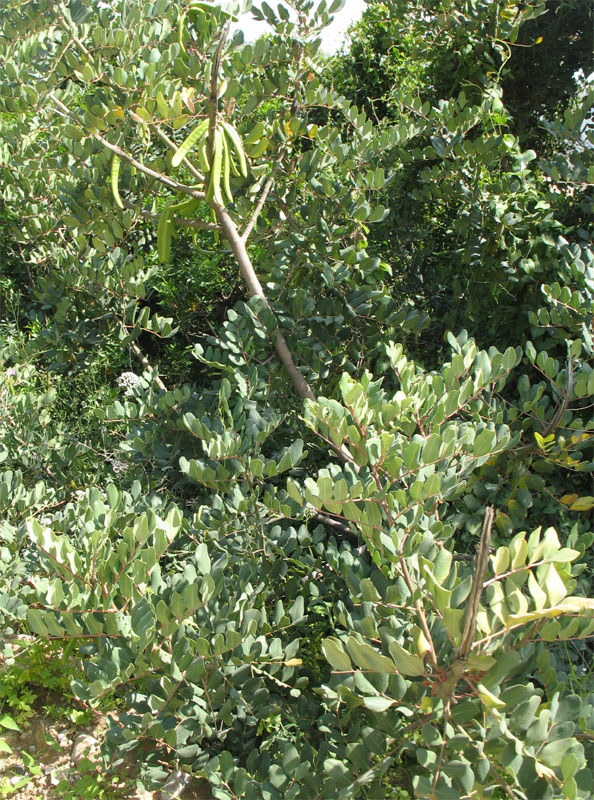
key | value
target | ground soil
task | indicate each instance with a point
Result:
(54, 761)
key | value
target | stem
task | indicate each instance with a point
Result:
(458, 667)
(183, 221)
(556, 417)
(262, 199)
(70, 31)
(255, 290)
(330, 522)
(146, 364)
(472, 607)
(213, 101)
(179, 187)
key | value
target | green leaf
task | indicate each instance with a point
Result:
(503, 523)
(6, 721)
(142, 617)
(378, 214)
(293, 491)
(367, 658)
(277, 776)
(335, 654)
(553, 753)
(336, 769)
(552, 583)
(73, 132)
(501, 560)
(483, 443)
(406, 663)
(539, 596)
(488, 698)
(410, 454)
(203, 559)
(431, 448)
(378, 704)
(35, 618)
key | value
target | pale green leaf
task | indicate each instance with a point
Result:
(367, 658)
(335, 654)
(378, 704)
(406, 663)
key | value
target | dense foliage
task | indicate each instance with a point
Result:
(296, 416)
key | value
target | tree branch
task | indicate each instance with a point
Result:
(338, 525)
(213, 102)
(188, 223)
(255, 290)
(457, 668)
(146, 364)
(171, 144)
(262, 199)
(71, 32)
(556, 417)
(178, 187)
(480, 567)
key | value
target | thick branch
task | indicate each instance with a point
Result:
(255, 290)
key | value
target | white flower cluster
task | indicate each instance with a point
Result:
(128, 381)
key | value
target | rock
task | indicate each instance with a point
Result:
(202, 791)
(82, 747)
(37, 733)
(174, 785)
(56, 776)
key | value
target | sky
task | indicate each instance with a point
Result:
(333, 35)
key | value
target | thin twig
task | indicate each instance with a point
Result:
(70, 31)
(457, 668)
(171, 144)
(330, 522)
(263, 196)
(504, 785)
(146, 364)
(179, 187)
(480, 568)
(556, 417)
(184, 221)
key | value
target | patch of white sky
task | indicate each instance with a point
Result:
(332, 37)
